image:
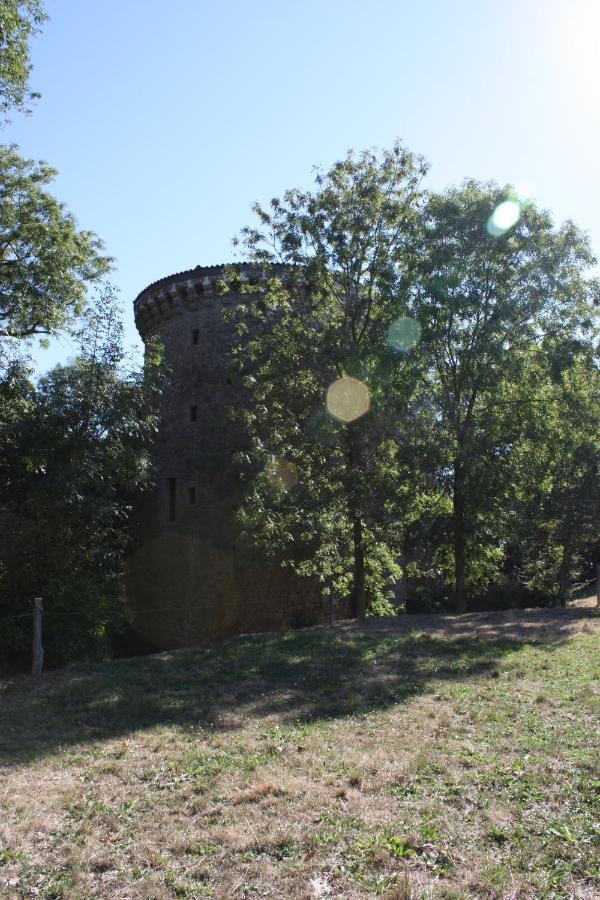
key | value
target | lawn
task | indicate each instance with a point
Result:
(419, 757)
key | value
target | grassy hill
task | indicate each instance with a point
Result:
(418, 757)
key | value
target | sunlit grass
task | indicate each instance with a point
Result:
(355, 762)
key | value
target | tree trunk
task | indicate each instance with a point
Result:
(360, 597)
(458, 515)
(331, 606)
(564, 579)
(598, 585)
(38, 649)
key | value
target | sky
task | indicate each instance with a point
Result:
(167, 121)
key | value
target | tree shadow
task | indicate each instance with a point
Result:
(302, 676)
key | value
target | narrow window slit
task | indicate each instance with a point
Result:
(172, 499)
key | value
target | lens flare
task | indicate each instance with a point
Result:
(282, 474)
(403, 334)
(348, 399)
(504, 217)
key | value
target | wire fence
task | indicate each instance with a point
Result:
(56, 612)
(16, 616)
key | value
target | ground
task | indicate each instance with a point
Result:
(442, 757)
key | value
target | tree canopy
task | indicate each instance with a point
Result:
(385, 366)
(485, 297)
(46, 262)
(20, 20)
(327, 380)
(74, 448)
(75, 455)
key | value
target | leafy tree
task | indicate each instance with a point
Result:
(323, 355)
(75, 457)
(20, 20)
(74, 449)
(45, 261)
(557, 468)
(494, 277)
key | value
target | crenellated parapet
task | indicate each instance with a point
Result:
(169, 296)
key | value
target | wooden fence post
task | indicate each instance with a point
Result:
(38, 649)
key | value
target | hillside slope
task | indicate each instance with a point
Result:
(418, 757)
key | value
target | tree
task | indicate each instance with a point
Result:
(557, 467)
(75, 456)
(324, 357)
(19, 21)
(494, 277)
(74, 448)
(46, 263)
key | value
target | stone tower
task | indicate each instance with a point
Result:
(192, 579)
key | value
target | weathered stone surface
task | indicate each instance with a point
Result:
(192, 580)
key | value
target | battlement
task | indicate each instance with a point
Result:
(168, 296)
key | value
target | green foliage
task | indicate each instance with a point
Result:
(75, 455)
(557, 468)
(19, 21)
(434, 474)
(484, 301)
(74, 448)
(337, 272)
(45, 261)
(399, 848)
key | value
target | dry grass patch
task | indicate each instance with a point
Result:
(350, 762)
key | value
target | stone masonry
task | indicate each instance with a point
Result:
(192, 579)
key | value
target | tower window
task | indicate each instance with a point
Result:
(195, 335)
(193, 413)
(192, 494)
(172, 498)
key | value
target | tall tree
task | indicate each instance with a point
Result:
(75, 454)
(324, 355)
(557, 467)
(19, 21)
(46, 263)
(495, 276)
(74, 449)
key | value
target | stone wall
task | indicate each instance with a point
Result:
(192, 579)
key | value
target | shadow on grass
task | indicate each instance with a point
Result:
(298, 676)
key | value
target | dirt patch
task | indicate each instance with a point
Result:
(512, 624)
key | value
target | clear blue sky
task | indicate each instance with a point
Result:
(167, 120)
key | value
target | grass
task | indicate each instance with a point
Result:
(457, 760)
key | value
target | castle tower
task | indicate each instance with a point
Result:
(192, 579)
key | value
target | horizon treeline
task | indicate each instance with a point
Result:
(424, 391)
(423, 404)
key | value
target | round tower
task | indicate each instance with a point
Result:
(192, 579)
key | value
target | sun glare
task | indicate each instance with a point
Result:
(504, 217)
(576, 38)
